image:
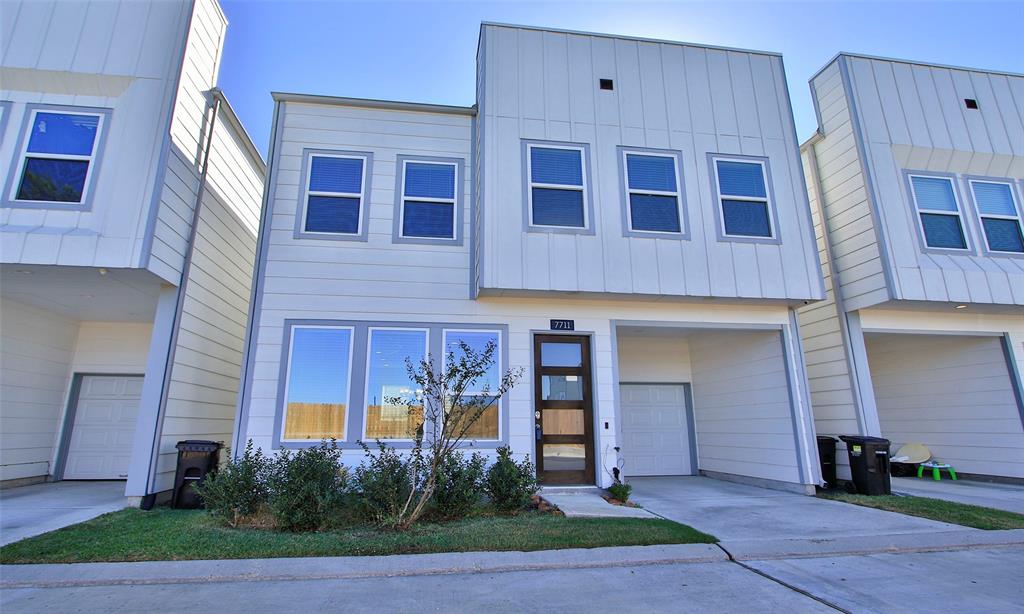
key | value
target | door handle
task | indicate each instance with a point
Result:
(538, 431)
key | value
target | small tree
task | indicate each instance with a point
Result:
(449, 412)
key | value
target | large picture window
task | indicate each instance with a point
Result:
(487, 426)
(393, 407)
(318, 384)
(58, 158)
(999, 213)
(938, 212)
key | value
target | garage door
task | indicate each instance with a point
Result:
(655, 431)
(104, 427)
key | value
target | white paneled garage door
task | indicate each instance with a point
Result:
(104, 427)
(655, 431)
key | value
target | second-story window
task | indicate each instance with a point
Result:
(938, 211)
(335, 194)
(428, 199)
(745, 205)
(57, 163)
(1000, 215)
(653, 200)
(557, 190)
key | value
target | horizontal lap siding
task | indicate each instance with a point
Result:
(951, 393)
(205, 376)
(844, 202)
(914, 117)
(742, 405)
(95, 54)
(36, 349)
(544, 85)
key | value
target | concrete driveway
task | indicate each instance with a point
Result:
(1009, 497)
(731, 511)
(31, 510)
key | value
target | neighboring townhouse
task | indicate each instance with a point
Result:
(915, 180)
(128, 232)
(625, 218)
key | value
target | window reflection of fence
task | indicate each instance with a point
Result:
(315, 421)
(392, 422)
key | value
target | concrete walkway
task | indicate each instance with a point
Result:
(1009, 497)
(31, 510)
(733, 512)
(590, 504)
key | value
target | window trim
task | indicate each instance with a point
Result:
(528, 185)
(397, 233)
(908, 177)
(304, 194)
(625, 192)
(21, 155)
(366, 379)
(283, 409)
(6, 106)
(359, 383)
(499, 352)
(1018, 203)
(768, 200)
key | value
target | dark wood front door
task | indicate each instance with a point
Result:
(563, 415)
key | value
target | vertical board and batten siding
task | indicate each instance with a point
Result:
(36, 348)
(119, 56)
(845, 204)
(199, 69)
(913, 117)
(544, 85)
(828, 370)
(205, 375)
(741, 404)
(953, 394)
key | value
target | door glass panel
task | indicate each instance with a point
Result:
(565, 457)
(562, 422)
(561, 355)
(562, 388)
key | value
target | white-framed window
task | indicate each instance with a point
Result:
(939, 214)
(653, 192)
(334, 193)
(390, 401)
(557, 186)
(999, 215)
(58, 156)
(318, 383)
(744, 200)
(428, 206)
(488, 426)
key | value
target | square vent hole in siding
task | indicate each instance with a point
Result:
(970, 103)
(606, 84)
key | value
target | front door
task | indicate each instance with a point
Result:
(563, 416)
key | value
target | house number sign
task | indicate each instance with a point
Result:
(563, 325)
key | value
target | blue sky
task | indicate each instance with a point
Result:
(425, 51)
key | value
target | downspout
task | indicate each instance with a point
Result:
(150, 498)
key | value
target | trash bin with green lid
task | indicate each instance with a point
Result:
(869, 463)
(196, 459)
(827, 458)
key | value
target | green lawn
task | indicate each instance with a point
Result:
(166, 534)
(936, 509)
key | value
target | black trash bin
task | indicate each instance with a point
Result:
(869, 463)
(196, 459)
(827, 458)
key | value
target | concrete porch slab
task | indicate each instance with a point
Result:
(1008, 497)
(589, 504)
(37, 509)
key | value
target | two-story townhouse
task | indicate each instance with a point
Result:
(128, 224)
(625, 218)
(915, 179)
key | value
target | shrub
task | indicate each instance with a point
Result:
(238, 490)
(307, 486)
(510, 485)
(459, 484)
(620, 491)
(384, 482)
